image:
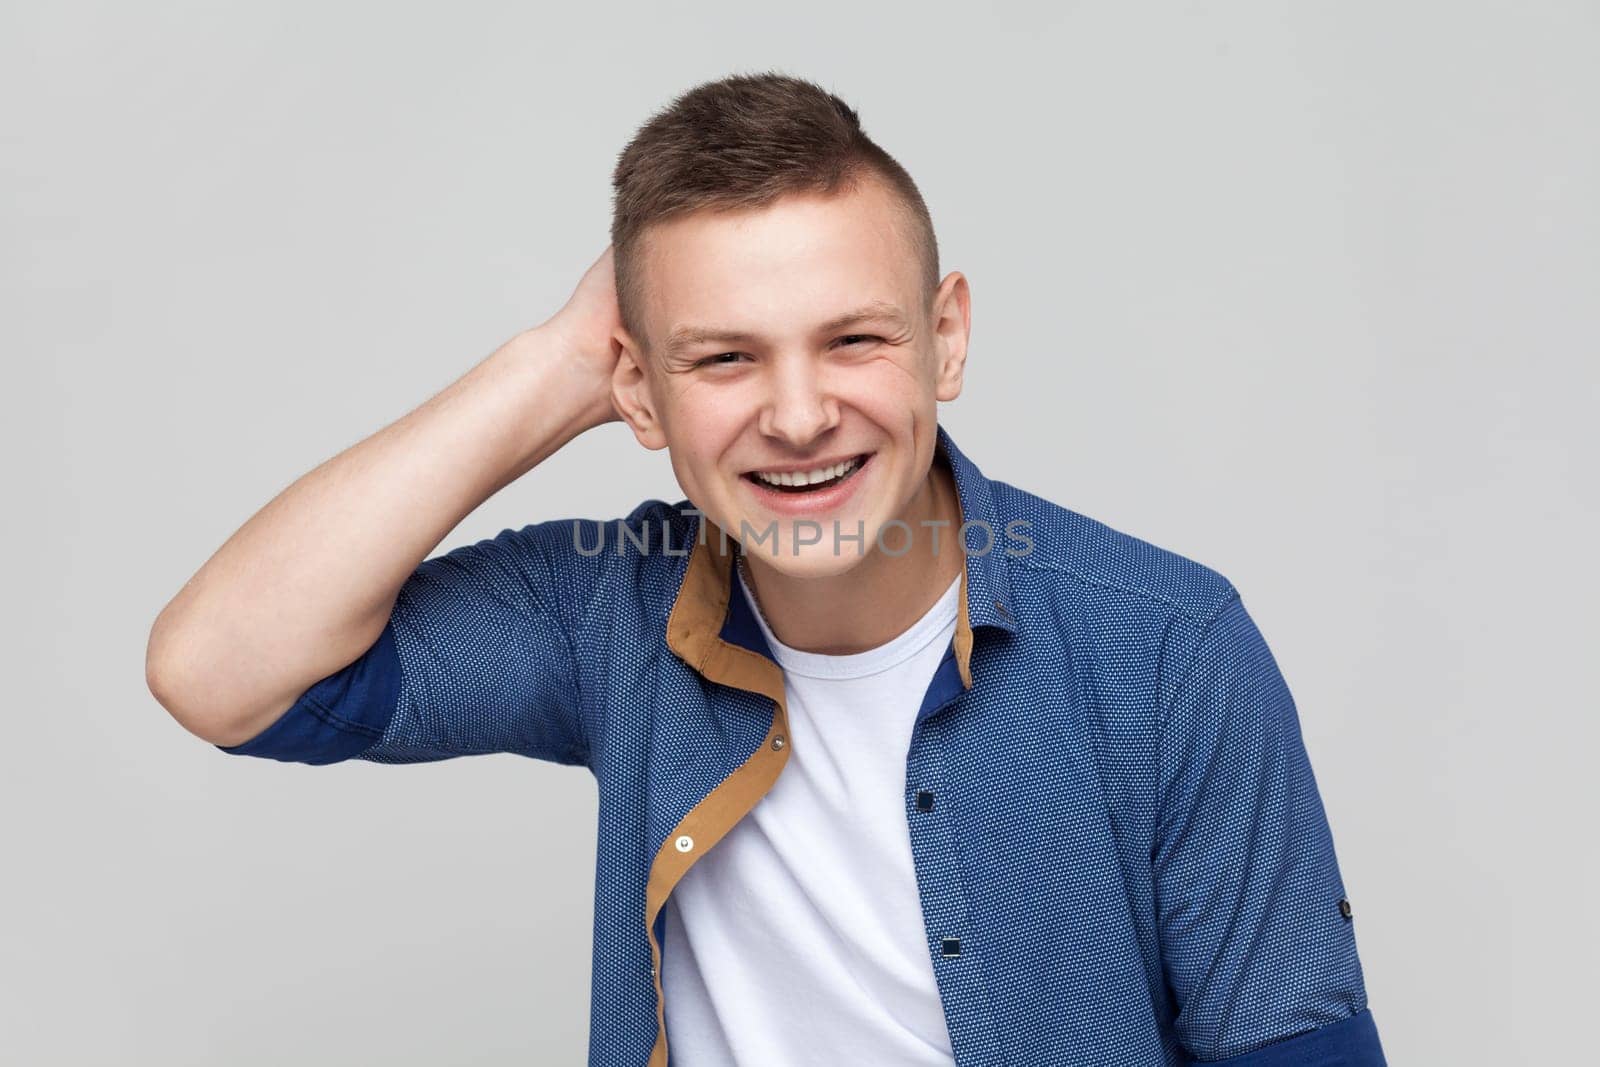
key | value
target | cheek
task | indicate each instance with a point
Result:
(706, 406)
(698, 447)
(890, 382)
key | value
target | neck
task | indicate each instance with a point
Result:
(882, 596)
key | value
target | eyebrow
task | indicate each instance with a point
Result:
(688, 336)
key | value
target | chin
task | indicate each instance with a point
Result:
(814, 561)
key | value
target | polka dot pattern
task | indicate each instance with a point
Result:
(1122, 857)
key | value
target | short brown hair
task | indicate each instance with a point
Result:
(742, 142)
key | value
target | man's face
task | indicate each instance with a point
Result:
(796, 338)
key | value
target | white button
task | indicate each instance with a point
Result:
(684, 843)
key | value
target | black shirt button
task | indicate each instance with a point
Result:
(950, 946)
(924, 800)
(1344, 908)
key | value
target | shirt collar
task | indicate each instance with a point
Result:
(715, 633)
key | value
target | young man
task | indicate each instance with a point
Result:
(897, 764)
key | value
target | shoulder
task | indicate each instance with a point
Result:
(576, 567)
(1105, 569)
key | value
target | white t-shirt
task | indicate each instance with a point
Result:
(798, 939)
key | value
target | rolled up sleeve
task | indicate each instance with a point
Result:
(476, 658)
(1256, 930)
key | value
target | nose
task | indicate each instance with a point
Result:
(800, 406)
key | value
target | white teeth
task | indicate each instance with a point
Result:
(821, 474)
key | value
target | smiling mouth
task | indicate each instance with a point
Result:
(791, 483)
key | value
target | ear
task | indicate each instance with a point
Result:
(952, 325)
(632, 394)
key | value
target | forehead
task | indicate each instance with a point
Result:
(790, 265)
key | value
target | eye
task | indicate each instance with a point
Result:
(720, 359)
(859, 337)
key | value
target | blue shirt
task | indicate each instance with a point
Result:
(1121, 854)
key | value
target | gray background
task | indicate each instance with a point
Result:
(1305, 292)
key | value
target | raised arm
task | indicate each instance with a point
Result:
(308, 583)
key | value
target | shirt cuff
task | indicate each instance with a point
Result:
(1350, 1042)
(341, 716)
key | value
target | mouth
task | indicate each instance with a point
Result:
(800, 483)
